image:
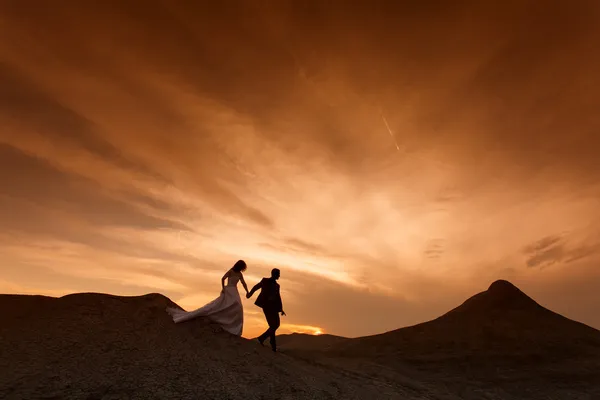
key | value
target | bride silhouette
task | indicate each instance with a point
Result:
(227, 309)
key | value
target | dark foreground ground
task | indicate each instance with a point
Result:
(95, 346)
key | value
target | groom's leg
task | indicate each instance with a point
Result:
(266, 333)
(274, 323)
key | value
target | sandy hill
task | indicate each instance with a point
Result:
(97, 346)
(501, 322)
(305, 342)
(500, 344)
(499, 338)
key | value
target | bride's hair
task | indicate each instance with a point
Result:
(239, 266)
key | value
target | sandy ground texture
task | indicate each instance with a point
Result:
(96, 346)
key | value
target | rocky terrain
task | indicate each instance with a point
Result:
(500, 344)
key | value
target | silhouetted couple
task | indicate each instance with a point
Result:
(227, 309)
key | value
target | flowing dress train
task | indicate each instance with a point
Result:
(226, 310)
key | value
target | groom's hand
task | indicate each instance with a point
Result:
(283, 313)
(248, 295)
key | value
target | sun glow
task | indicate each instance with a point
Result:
(306, 329)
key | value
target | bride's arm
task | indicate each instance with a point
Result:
(223, 279)
(243, 282)
(254, 289)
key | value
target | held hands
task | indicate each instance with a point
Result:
(283, 313)
(248, 295)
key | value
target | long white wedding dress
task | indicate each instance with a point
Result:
(226, 310)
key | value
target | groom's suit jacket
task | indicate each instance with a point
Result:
(269, 297)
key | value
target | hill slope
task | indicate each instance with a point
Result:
(94, 346)
(305, 342)
(498, 344)
(501, 322)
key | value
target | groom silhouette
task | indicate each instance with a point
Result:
(269, 300)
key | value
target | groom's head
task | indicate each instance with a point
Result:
(275, 273)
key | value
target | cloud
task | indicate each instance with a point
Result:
(28, 108)
(434, 249)
(545, 252)
(550, 250)
(25, 179)
(305, 246)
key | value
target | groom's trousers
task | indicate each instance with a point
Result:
(274, 322)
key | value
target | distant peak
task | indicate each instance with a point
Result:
(501, 295)
(502, 285)
(503, 291)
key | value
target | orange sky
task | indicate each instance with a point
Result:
(146, 146)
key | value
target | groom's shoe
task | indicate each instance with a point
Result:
(262, 342)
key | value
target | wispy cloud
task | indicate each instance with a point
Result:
(558, 249)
